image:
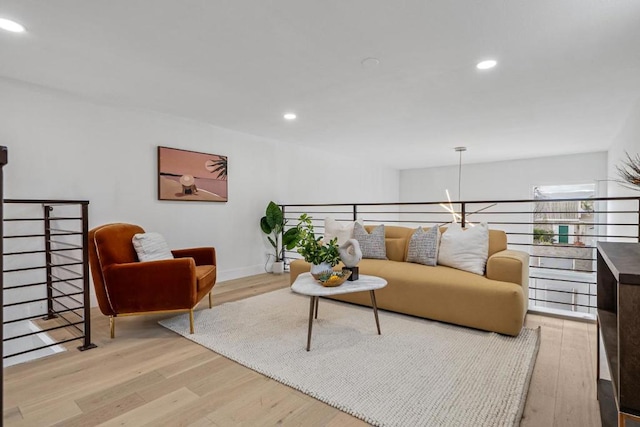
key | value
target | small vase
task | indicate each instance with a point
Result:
(317, 269)
(277, 267)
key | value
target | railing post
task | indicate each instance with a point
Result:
(463, 214)
(3, 161)
(638, 219)
(48, 261)
(355, 212)
(85, 279)
(285, 265)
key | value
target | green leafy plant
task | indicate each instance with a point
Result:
(630, 171)
(273, 224)
(586, 205)
(314, 249)
(540, 235)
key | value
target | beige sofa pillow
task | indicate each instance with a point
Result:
(342, 230)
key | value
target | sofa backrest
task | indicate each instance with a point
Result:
(397, 238)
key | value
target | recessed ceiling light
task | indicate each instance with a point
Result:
(12, 26)
(485, 65)
(370, 62)
(290, 116)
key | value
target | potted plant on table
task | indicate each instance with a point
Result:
(322, 256)
(273, 224)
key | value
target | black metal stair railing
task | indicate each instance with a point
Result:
(46, 275)
(562, 274)
(4, 158)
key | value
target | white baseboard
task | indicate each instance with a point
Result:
(238, 273)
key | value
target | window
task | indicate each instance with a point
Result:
(562, 255)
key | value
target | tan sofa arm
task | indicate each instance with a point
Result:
(510, 266)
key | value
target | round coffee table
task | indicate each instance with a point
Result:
(305, 284)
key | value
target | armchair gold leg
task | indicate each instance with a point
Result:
(191, 321)
(210, 304)
(112, 326)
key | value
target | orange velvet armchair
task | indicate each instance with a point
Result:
(124, 286)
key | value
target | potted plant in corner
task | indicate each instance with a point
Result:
(273, 224)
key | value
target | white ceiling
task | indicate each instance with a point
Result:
(567, 78)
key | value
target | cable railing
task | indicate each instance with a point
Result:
(46, 278)
(559, 234)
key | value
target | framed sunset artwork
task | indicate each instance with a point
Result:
(191, 176)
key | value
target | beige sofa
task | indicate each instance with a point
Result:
(495, 302)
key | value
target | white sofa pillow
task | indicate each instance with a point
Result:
(151, 247)
(343, 230)
(465, 249)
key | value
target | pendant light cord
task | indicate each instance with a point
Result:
(459, 175)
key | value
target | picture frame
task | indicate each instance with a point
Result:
(191, 176)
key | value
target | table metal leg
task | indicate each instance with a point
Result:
(375, 310)
(312, 304)
(317, 299)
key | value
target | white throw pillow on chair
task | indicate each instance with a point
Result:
(151, 247)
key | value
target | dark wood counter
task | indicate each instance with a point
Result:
(619, 324)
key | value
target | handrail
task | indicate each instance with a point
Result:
(4, 158)
(62, 296)
(552, 265)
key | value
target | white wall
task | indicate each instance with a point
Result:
(512, 179)
(62, 147)
(628, 139)
(317, 176)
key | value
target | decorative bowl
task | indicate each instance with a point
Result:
(322, 273)
(334, 278)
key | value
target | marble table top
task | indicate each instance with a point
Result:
(305, 284)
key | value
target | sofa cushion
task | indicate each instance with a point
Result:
(372, 244)
(445, 294)
(151, 247)
(465, 249)
(396, 248)
(205, 277)
(497, 241)
(423, 246)
(342, 230)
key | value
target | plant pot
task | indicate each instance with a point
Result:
(277, 267)
(316, 269)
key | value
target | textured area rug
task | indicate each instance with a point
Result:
(417, 373)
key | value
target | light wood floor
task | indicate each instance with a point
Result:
(150, 376)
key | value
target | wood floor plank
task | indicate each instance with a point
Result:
(201, 355)
(108, 395)
(154, 411)
(263, 404)
(200, 372)
(108, 411)
(12, 415)
(576, 387)
(230, 374)
(150, 375)
(199, 409)
(49, 412)
(73, 381)
(540, 405)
